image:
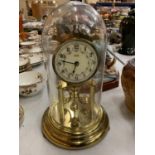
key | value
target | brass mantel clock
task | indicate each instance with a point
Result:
(74, 40)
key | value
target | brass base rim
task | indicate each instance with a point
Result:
(74, 141)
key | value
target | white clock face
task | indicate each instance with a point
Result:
(75, 61)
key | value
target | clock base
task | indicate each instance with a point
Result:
(68, 139)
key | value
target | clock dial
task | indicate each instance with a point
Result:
(75, 61)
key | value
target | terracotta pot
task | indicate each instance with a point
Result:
(128, 84)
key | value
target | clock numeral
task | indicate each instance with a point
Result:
(91, 54)
(76, 47)
(59, 63)
(85, 48)
(83, 74)
(76, 77)
(90, 69)
(88, 55)
(82, 51)
(70, 75)
(68, 50)
(64, 70)
(62, 56)
(93, 62)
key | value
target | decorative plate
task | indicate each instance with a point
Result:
(35, 58)
(23, 61)
(35, 50)
(27, 43)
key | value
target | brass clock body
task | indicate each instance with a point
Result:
(74, 41)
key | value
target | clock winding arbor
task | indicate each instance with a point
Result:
(75, 119)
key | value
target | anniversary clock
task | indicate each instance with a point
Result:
(74, 41)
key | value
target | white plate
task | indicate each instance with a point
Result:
(35, 50)
(27, 43)
(34, 37)
(35, 58)
(23, 61)
(30, 83)
(33, 33)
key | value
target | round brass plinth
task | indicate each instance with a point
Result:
(57, 134)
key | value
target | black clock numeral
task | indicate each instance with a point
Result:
(76, 47)
(76, 77)
(62, 56)
(68, 50)
(91, 54)
(90, 69)
(63, 71)
(59, 63)
(83, 74)
(82, 51)
(85, 48)
(93, 62)
(70, 75)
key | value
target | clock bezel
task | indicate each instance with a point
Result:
(64, 43)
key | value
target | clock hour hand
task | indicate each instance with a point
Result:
(76, 63)
(74, 69)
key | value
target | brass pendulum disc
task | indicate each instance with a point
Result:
(69, 139)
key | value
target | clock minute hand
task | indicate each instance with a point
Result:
(68, 62)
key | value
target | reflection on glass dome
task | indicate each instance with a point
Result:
(72, 20)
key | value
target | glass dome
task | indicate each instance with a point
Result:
(74, 42)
